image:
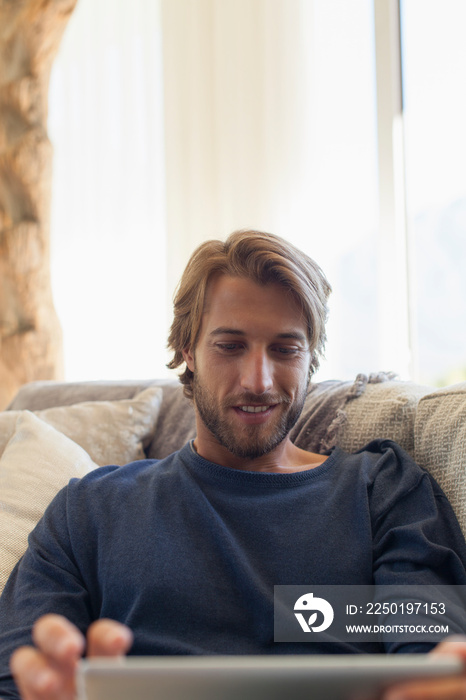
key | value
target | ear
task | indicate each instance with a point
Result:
(188, 357)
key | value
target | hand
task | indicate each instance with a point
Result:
(48, 670)
(449, 688)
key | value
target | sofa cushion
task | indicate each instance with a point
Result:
(36, 463)
(384, 409)
(351, 414)
(176, 418)
(440, 435)
(112, 432)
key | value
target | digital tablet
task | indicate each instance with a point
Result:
(303, 677)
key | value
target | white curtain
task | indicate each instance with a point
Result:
(238, 117)
(174, 121)
(108, 203)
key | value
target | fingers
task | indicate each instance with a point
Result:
(108, 638)
(452, 646)
(58, 639)
(38, 678)
(451, 688)
(48, 671)
(446, 689)
(31, 673)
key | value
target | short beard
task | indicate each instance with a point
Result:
(253, 446)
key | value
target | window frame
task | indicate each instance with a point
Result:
(397, 338)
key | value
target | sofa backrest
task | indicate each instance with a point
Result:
(429, 425)
(347, 413)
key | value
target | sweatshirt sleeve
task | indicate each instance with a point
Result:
(45, 580)
(417, 540)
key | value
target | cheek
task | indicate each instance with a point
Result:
(296, 377)
(210, 367)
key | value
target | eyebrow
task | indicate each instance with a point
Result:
(223, 330)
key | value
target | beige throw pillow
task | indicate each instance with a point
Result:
(112, 432)
(36, 463)
(383, 410)
(440, 435)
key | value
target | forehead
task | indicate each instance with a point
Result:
(243, 304)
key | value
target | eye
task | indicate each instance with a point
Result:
(286, 350)
(228, 347)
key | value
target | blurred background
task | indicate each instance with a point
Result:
(337, 124)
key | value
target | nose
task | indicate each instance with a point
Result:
(257, 372)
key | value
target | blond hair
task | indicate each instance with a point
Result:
(263, 258)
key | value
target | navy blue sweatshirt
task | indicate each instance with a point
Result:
(186, 552)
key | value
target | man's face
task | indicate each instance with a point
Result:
(251, 367)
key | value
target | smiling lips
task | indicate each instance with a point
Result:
(253, 409)
(259, 406)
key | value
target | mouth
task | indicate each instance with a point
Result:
(254, 409)
(250, 414)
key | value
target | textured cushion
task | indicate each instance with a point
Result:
(440, 434)
(351, 414)
(385, 409)
(36, 463)
(112, 432)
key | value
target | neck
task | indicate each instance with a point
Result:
(285, 458)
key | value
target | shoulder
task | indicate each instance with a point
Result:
(127, 475)
(390, 476)
(113, 483)
(386, 459)
(396, 481)
(109, 495)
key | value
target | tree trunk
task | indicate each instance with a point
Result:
(30, 334)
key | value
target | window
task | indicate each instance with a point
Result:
(434, 76)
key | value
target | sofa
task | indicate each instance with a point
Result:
(54, 431)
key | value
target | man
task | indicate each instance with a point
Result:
(182, 554)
